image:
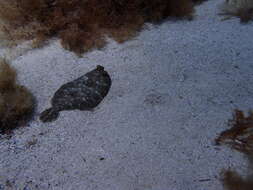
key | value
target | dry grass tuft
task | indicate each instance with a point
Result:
(84, 24)
(16, 102)
(240, 138)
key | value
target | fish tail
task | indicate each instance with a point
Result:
(49, 115)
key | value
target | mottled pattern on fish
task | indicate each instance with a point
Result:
(84, 93)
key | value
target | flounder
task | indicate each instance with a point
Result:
(84, 93)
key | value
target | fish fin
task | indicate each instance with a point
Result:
(100, 68)
(49, 115)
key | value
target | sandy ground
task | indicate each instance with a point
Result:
(174, 88)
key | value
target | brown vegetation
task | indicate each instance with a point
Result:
(83, 24)
(198, 1)
(16, 102)
(240, 8)
(233, 181)
(240, 138)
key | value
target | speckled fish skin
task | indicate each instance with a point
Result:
(84, 93)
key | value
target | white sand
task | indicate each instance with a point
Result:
(174, 88)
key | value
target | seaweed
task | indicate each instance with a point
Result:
(83, 25)
(240, 138)
(240, 135)
(239, 8)
(16, 102)
(233, 181)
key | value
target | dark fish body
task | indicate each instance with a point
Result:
(84, 93)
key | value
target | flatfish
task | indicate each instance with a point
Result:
(84, 93)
